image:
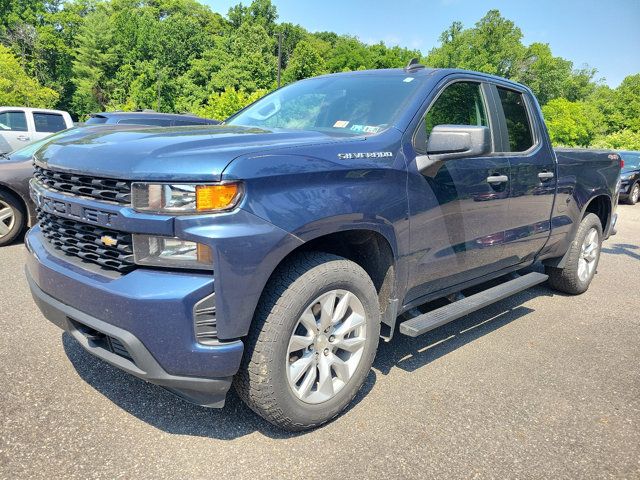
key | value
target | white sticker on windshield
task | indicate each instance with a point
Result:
(408, 79)
(341, 124)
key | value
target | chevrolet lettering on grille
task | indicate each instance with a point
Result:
(73, 210)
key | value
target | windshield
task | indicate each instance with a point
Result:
(355, 104)
(631, 161)
(28, 151)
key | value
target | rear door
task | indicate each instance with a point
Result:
(14, 130)
(458, 206)
(533, 173)
(47, 123)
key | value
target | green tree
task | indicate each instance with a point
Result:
(627, 102)
(18, 88)
(381, 56)
(348, 53)
(94, 63)
(544, 73)
(572, 123)
(221, 105)
(249, 61)
(307, 60)
(493, 46)
(620, 140)
(261, 12)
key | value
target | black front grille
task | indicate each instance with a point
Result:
(118, 191)
(88, 242)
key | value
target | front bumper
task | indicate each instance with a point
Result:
(148, 312)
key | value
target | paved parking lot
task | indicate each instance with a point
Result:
(539, 386)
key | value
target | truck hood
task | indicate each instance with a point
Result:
(198, 153)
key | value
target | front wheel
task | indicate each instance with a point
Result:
(313, 341)
(582, 259)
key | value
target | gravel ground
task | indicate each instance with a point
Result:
(541, 385)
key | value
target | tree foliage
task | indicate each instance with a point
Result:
(178, 56)
(18, 88)
(571, 123)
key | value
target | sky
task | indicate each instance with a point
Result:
(604, 34)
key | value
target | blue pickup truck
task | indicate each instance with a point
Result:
(272, 252)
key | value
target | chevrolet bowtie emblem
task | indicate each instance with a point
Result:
(108, 241)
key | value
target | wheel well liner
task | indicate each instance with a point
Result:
(600, 206)
(367, 248)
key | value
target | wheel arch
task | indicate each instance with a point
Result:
(369, 248)
(600, 205)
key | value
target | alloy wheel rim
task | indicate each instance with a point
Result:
(326, 346)
(7, 218)
(588, 255)
(635, 193)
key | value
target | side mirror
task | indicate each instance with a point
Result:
(447, 142)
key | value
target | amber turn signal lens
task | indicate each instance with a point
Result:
(215, 197)
(204, 254)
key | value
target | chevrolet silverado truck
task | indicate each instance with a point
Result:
(272, 252)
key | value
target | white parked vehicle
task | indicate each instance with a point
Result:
(20, 126)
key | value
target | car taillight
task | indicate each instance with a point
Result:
(621, 163)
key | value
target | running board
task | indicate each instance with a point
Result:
(430, 320)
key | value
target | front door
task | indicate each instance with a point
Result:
(14, 131)
(459, 206)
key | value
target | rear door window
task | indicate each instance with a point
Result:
(49, 122)
(13, 121)
(517, 120)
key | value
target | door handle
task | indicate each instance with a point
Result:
(544, 176)
(22, 138)
(495, 179)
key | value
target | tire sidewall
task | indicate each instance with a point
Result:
(19, 218)
(331, 279)
(634, 188)
(589, 222)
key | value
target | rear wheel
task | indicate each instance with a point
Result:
(582, 259)
(12, 218)
(313, 342)
(634, 194)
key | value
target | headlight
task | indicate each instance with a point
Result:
(179, 198)
(171, 253)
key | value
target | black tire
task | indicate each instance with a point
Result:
(634, 194)
(8, 200)
(567, 279)
(262, 381)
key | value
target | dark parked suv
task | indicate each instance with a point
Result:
(148, 117)
(630, 177)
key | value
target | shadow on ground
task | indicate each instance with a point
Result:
(162, 410)
(623, 249)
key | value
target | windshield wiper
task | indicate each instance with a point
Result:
(5, 156)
